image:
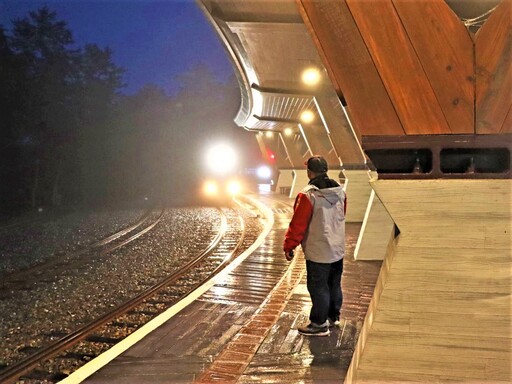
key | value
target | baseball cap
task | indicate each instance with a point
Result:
(317, 164)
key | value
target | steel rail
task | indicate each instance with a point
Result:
(20, 223)
(135, 236)
(227, 259)
(28, 273)
(124, 231)
(11, 374)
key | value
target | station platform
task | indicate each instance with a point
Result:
(243, 329)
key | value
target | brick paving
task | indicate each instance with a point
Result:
(244, 329)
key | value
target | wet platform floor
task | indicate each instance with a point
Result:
(244, 329)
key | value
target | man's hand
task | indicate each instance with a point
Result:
(289, 255)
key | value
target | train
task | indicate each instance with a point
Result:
(226, 176)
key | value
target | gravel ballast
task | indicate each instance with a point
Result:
(50, 309)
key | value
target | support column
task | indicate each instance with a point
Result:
(358, 193)
(284, 181)
(376, 232)
(442, 306)
(300, 180)
(336, 174)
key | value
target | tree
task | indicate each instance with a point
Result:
(64, 97)
(9, 110)
(72, 135)
(95, 95)
(98, 80)
(41, 43)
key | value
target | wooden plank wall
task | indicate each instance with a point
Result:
(408, 67)
(494, 72)
(444, 51)
(442, 308)
(320, 144)
(350, 66)
(404, 79)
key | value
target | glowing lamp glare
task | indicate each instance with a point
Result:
(307, 116)
(311, 76)
(234, 187)
(221, 159)
(210, 188)
(263, 172)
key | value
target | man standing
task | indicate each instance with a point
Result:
(318, 224)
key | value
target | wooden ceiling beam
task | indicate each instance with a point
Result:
(444, 49)
(398, 66)
(350, 66)
(493, 45)
(339, 130)
(264, 27)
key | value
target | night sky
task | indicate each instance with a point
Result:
(153, 40)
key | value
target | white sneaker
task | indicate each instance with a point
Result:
(333, 322)
(314, 330)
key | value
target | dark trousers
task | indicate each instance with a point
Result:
(324, 286)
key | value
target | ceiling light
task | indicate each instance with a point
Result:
(311, 76)
(307, 116)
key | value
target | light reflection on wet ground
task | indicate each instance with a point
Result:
(240, 332)
(285, 354)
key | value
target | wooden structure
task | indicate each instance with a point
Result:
(270, 47)
(427, 96)
(442, 306)
(410, 68)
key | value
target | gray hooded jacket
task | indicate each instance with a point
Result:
(324, 240)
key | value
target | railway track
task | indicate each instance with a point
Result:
(20, 223)
(62, 263)
(57, 360)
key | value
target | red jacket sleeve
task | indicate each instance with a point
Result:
(302, 211)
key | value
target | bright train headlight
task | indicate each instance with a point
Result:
(264, 172)
(233, 187)
(210, 188)
(221, 159)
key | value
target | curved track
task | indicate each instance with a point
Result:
(51, 267)
(57, 360)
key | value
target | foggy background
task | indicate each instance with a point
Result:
(72, 136)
